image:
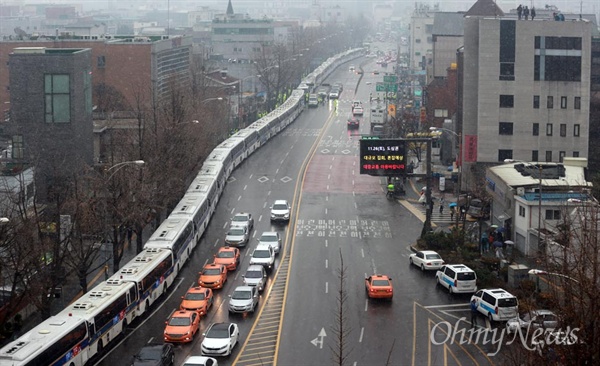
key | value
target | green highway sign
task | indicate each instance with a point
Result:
(390, 78)
(366, 137)
(380, 87)
(391, 88)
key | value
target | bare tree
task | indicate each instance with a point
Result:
(340, 329)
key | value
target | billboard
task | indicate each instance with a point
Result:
(385, 157)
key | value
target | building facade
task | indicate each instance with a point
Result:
(527, 94)
(421, 36)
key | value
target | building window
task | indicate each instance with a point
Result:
(507, 71)
(536, 129)
(504, 154)
(548, 156)
(506, 128)
(417, 40)
(577, 103)
(17, 147)
(534, 155)
(575, 154)
(576, 130)
(563, 102)
(507, 101)
(552, 214)
(550, 102)
(536, 102)
(548, 129)
(521, 211)
(58, 98)
(101, 62)
(563, 130)
(561, 156)
(440, 113)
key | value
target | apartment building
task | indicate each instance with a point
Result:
(421, 36)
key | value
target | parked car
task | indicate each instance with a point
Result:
(534, 319)
(243, 299)
(219, 339)
(457, 278)
(256, 276)
(497, 304)
(334, 93)
(155, 354)
(271, 238)
(200, 361)
(426, 259)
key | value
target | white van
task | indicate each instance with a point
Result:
(457, 278)
(497, 304)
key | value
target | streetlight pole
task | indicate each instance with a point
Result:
(458, 164)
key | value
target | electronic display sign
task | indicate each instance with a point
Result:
(383, 157)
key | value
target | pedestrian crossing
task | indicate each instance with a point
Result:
(439, 218)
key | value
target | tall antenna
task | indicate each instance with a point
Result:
(580, 9)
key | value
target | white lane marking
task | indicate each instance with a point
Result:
(264, 204)
(239, 198)
(206, 261)
(328, 187)
(333, 157)
(282, 160)
(250, 177)
(232, 210)
(362, 251)
(353, 182)
(269, 193)
(331, 166)
(325, 210)
(373, 264)
(352, 171)
(366, 304)
(236, 275)
(355, 204)
(325, 243)
(445, 306)
(362, 331)
(215, 244)
(259, 218)
(326, 287)
(326, 263)
(150, 340)
(224, 224)
(326, 198)
(354, 195)
(254, 234)
(246, 186)
(328, 176)
(277, 171)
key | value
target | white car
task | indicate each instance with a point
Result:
(271, 238)
(263, 255)
(280, 211)
(243, 299)
(426, 259)
(255, 276)
(535, 319)
(200, 361)
(243, 219)
(358, 110)
(237, 236)
(219, 339)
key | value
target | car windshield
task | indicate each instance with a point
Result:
(225, 254)
(261, 254)
(268, 238)
(253, 274)
(236, 231)
(179, 322)
(211, 272)
(153, 353)
(507, 303)
(381, 283)
(280, 206)
(465, 276)
(241, 295)
(217, 333)
(240, 218)
(433, 256)
(195, 296)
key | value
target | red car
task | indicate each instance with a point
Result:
(182, 326)
(379, 287)
(229, 257)
(353, 122)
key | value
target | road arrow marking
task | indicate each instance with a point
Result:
(318, 342)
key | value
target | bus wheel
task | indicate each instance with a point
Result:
(124, 329)
(100, 346)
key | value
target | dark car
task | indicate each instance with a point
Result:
(155, 354)
(353, 122)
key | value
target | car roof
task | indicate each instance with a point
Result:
(263, 246)
(198, 289)
(459, 267)
(220, 326)
(196, 359)
(280, 201)
(182, 313)
(380, 277)
(213, 265)
(244, 288)
(242, 214)
(428, 252)
(269, 233)
(255, 267)
(499, 292)
(227, 249)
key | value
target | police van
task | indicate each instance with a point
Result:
(497, 304)
(457, 278)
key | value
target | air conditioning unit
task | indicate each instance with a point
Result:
(520, 191)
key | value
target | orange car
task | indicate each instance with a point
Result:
(213, 276)
(379, 287)
(198, 299)
(182, 326)
(229, 257)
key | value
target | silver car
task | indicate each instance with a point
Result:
(243, 219)
(271, 238)
(237, 236)
(535, 319)
(244, 299)
(280, 211)
(255, 276)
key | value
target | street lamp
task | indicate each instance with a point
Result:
(4, 220)
(540, 272)
(120, 165)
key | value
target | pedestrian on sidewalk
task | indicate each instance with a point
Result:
(473, 313)
(452, 213)
(441, 208)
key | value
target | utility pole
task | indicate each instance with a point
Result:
(427, 224)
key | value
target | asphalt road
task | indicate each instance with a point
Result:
(337, 214)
